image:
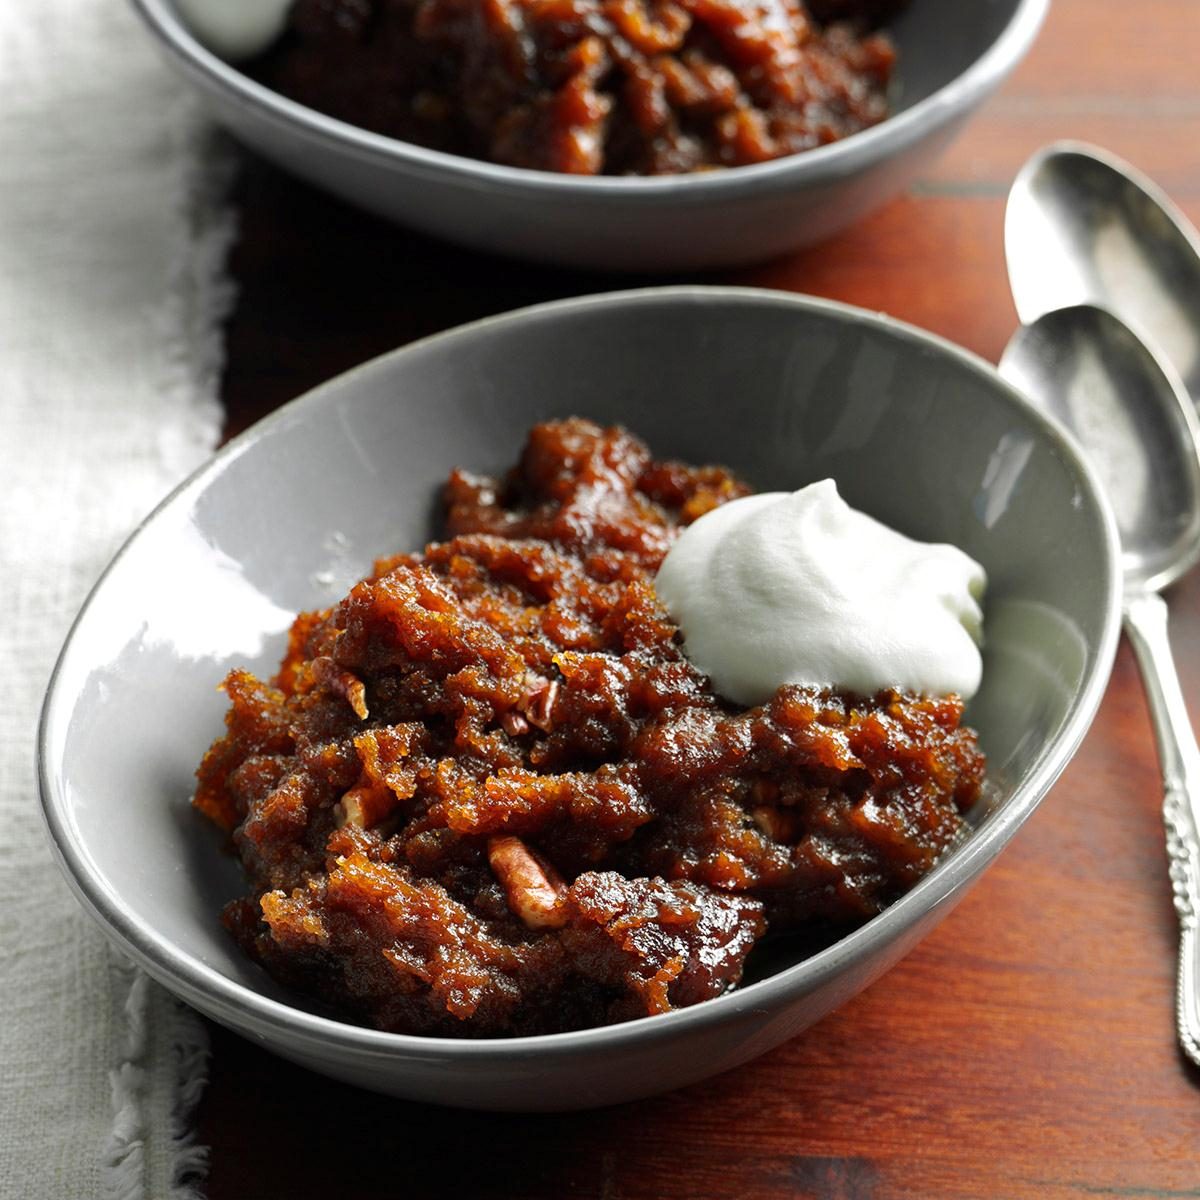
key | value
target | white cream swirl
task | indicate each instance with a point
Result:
(799, 587)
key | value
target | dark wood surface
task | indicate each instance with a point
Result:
(1026, 1048)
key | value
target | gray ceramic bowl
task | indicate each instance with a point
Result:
(953, 55)
(783, 389)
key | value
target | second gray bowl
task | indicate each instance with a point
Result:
(953, 55)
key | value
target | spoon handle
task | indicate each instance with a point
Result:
(1179, 759)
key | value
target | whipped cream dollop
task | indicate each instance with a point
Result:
(235, 29)
(799, 587)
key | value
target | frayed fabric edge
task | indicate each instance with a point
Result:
(189, 1060)
(124, 1164)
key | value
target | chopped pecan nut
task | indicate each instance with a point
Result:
(343, 683)
(778, 824)
(535, 890)
(538, 701)
(513, 723)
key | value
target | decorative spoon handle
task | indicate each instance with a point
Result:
(1179, 758)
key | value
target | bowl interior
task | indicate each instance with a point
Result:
(783, 390)
(938, 40)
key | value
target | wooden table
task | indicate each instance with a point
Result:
(1027, 1047)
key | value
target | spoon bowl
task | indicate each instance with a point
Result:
(1127, 409)
(1083, 227)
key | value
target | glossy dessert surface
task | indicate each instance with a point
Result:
(487, 793)
(589, 87)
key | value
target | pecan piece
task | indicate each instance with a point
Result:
(513, 723)
(534, 889)
(342, 683)
(779, 825)
(538, 701)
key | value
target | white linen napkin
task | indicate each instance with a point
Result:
(112, 244)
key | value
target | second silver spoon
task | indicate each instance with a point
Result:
(1132, 418)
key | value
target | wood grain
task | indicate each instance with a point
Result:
(1026, 1048)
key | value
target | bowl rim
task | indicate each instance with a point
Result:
(833, 161)
(244, 1007)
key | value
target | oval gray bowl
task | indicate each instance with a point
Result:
(783, 389)
(953, 56)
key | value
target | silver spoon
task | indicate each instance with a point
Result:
(1132, 418)
(1084, 227)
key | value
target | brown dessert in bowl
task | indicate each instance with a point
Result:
(645, 87)
(487, 794)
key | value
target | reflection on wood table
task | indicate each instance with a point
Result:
(1027, 1047)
